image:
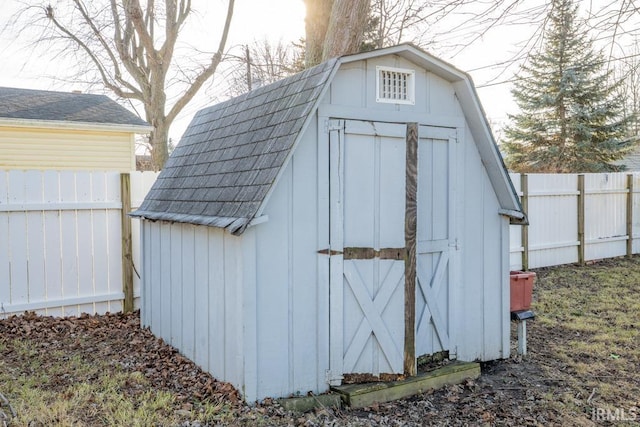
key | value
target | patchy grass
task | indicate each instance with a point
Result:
(74, 392)
(102, 371)
(583, 356)
(587, 334)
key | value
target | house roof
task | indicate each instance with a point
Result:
(631, 161)
(26, 106)
(231, 155)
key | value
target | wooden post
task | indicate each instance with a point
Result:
(410, 231)
(127, 263)
(630, 215)
(581, 239)
(524, 201)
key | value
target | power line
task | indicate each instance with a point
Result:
(516, 79)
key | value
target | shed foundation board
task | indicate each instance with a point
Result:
(362, 395)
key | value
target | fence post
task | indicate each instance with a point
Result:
(581, 240)
(524, 230)
(127, 265)
(630, 215)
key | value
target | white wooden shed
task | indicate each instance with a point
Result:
(289, 224)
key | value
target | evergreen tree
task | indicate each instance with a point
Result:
(571, 119)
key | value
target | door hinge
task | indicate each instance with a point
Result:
(329, 252)
(454, 244)
(332, 124)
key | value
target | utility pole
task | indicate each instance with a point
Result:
(248, 61)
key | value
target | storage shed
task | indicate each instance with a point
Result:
(42, 129)
(347, 219)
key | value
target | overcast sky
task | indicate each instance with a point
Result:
(282, 20)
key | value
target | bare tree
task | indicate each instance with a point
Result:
(261, 63)
(628, 72)
(130, 47)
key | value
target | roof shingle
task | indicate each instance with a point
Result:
(234, 150)
(29, 104)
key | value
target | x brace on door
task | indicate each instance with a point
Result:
(372, 321)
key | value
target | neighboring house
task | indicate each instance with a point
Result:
(631, 160)
(277, 241)
(59, 130)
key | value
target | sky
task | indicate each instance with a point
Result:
(281, 20)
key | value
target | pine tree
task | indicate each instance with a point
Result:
(570, 118)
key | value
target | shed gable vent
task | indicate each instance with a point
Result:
(395, 85)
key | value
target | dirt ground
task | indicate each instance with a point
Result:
(548, 387)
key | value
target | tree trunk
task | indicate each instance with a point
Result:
(346, 28)
(158, 141)
(316, 24)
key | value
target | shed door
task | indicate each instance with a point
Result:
(436, 241)
(367, 219)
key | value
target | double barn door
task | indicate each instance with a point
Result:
(368, 205)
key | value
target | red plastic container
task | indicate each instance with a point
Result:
(521, 289)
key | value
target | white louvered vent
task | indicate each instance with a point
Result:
(395, 85)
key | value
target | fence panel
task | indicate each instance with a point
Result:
(515, 232)
(605, 217)
(570, 221)
(552, 214)
(635, 220)
(61, 242)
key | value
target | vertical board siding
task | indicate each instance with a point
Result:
(60, 241)
(553, 218)
(493, 312)
(191, 289)
(290, 353)
(471, 333)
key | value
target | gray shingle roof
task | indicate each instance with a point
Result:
(631, 160)
(232, 152)
(29, 104)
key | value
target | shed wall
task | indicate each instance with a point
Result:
(39, 148)
(192, 294)
(482, 317)
(352, 95)
(292, 307)
(480, 329)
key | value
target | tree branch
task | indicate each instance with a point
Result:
(106, 79)
(207, 72)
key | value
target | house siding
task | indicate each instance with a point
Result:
(40, 148)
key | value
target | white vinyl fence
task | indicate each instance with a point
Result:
(61, 243)
(576, 218)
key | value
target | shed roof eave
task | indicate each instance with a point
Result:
(414, 54)
(74, 125)
(235, 226)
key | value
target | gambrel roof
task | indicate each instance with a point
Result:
(49, 108)
(232, 153)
